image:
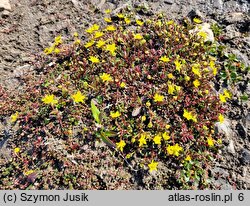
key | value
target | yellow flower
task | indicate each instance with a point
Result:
(227, 94)
(187, 78)
(77, 41)
(111, 48)
(210, 142)
(205, 127)
(17, 149)
(110, 28)
(89, 44)
(138, 36)
(14, 117)
(153, 166)
(78, 97)
(170, 150)
(171, 88)
(157, 139)
(58, 40)
(164, 59)
(197, 21)
(121, 16)
(187, 114)
(115, 114)
(222, 98)
(214, 71)
(167, 126)
(177, 65)
(120, 145)
(159, 23)
(139, 22)
(174, 150)
(107, 11)
(166, 136)
(170, 22)
(98, 34)
(94, 59)
(202, 34)
(177, 88)
(196, 70)
(127, 20)
(108, 20)
(194, 118)
(219, 141)
(188, 158)
(143, 118)
(57, 51)
(150, 125)
(123, 85)
(129, 155)
(106, 77)
(50, 99)
(148, 104)
(100, 43)
(170, 76)
(49, 50)
(142, 140)
(196, 83)
(75, 34)
(158, 98)
(221, 118)
(212, 65)
(28, 172)
(93, 28)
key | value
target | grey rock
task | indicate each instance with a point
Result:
(232, 32)
(244, 172)
(246, 41)
(5, 14)
(242, 57)
(235, 17)
(21, 71)
(222, 184)
(230, 147)
(5, 5)
(245, 156)
(241, 130)
(220, 172)
(218, 4)
(233, 176)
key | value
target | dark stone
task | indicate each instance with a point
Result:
(245, 156)
(169, 1)
(241, 130)
(195, 13)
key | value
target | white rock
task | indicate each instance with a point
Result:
(205, 27)
(224, 128)
(5, 5)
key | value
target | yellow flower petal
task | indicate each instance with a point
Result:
(115, 114)
(153, 166)
(158, 98)
(78, 97)
(50, 99)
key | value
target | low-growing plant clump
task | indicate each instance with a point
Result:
(143, 86)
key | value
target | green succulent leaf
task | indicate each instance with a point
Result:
(95, 112)
(106, 140)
